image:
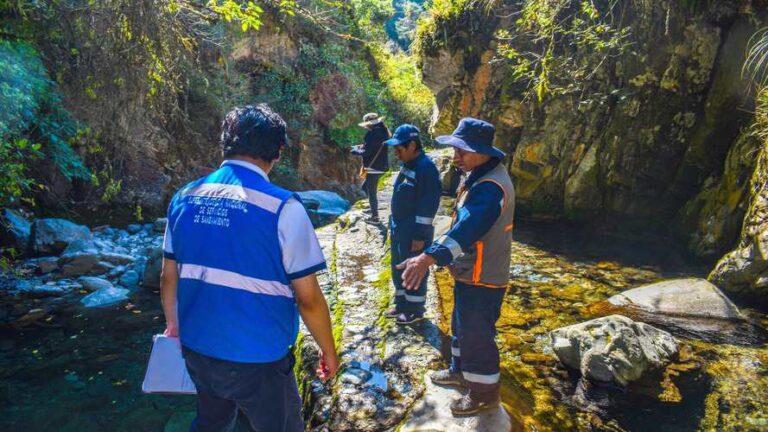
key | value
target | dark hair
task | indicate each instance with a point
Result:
(416, 140)
(254, 131)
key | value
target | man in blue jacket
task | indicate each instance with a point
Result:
(477, 251)
(240, 257)
(415, 200)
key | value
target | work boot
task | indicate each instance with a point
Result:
(392, 313)
(447, 378)
(474, 402)
(408, 318)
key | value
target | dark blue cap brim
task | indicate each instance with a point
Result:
(393, 142)
(454, 141)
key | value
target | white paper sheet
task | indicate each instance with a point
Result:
(166, 370)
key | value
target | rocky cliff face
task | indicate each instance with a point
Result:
(745, 269)
(654, 137)
(643, 136)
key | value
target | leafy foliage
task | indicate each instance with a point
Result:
(33, 124)
(557, 45)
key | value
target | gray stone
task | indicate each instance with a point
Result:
(51, 236)
(105, 297)
(613, 348)
(154, 266)
(129, 279)
(117, 258)
(159, 225)
(35, 289)
(92, 283)
(45, 265)
(81, 246)
(102, 267)
(78, 263)
(134, 228)
(17, 227)
(433, 413)
(680, 297)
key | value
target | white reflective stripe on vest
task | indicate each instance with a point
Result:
(481, 379)
(423, 220)
(456, 352)
(234, 280)
(415, 299)
(400, 292)
(452, 246)
(235, 192)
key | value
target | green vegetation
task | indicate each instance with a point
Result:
(568, 42)
(34, 128)
(383, 285)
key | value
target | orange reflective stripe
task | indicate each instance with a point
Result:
(478, 263)
(508, 228)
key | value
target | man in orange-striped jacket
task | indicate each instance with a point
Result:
(477, 250)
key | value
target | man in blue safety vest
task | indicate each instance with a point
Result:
(240, 257)
(477, 250)
(415, 200)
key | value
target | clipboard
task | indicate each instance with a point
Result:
(166, 371)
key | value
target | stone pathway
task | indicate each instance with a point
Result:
(381, 383)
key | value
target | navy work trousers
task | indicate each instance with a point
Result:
(473, 324)
(407, 301)
(266, 393)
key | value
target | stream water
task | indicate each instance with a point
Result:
(81, 369)
(561, 277)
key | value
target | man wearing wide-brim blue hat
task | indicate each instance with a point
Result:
(477, 250)
(415, 199)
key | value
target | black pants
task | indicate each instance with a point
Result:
(371, 188)
(266, 393)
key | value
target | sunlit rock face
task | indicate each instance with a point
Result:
(655, 139)
(744, 270)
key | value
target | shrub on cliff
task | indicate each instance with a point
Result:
(33, 124)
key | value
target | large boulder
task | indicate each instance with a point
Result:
(680, 297)
(52, 236)
(105, 297)
(613, 348)
(92, 283)
(322, 206)
(79, 258)
(16, 228)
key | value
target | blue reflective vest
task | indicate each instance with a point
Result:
(235, 301)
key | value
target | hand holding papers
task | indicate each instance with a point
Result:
(166, 370)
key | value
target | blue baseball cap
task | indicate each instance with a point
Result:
(404, 134)
(474, 136)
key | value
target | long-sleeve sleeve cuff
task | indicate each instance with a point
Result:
(444, 250)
